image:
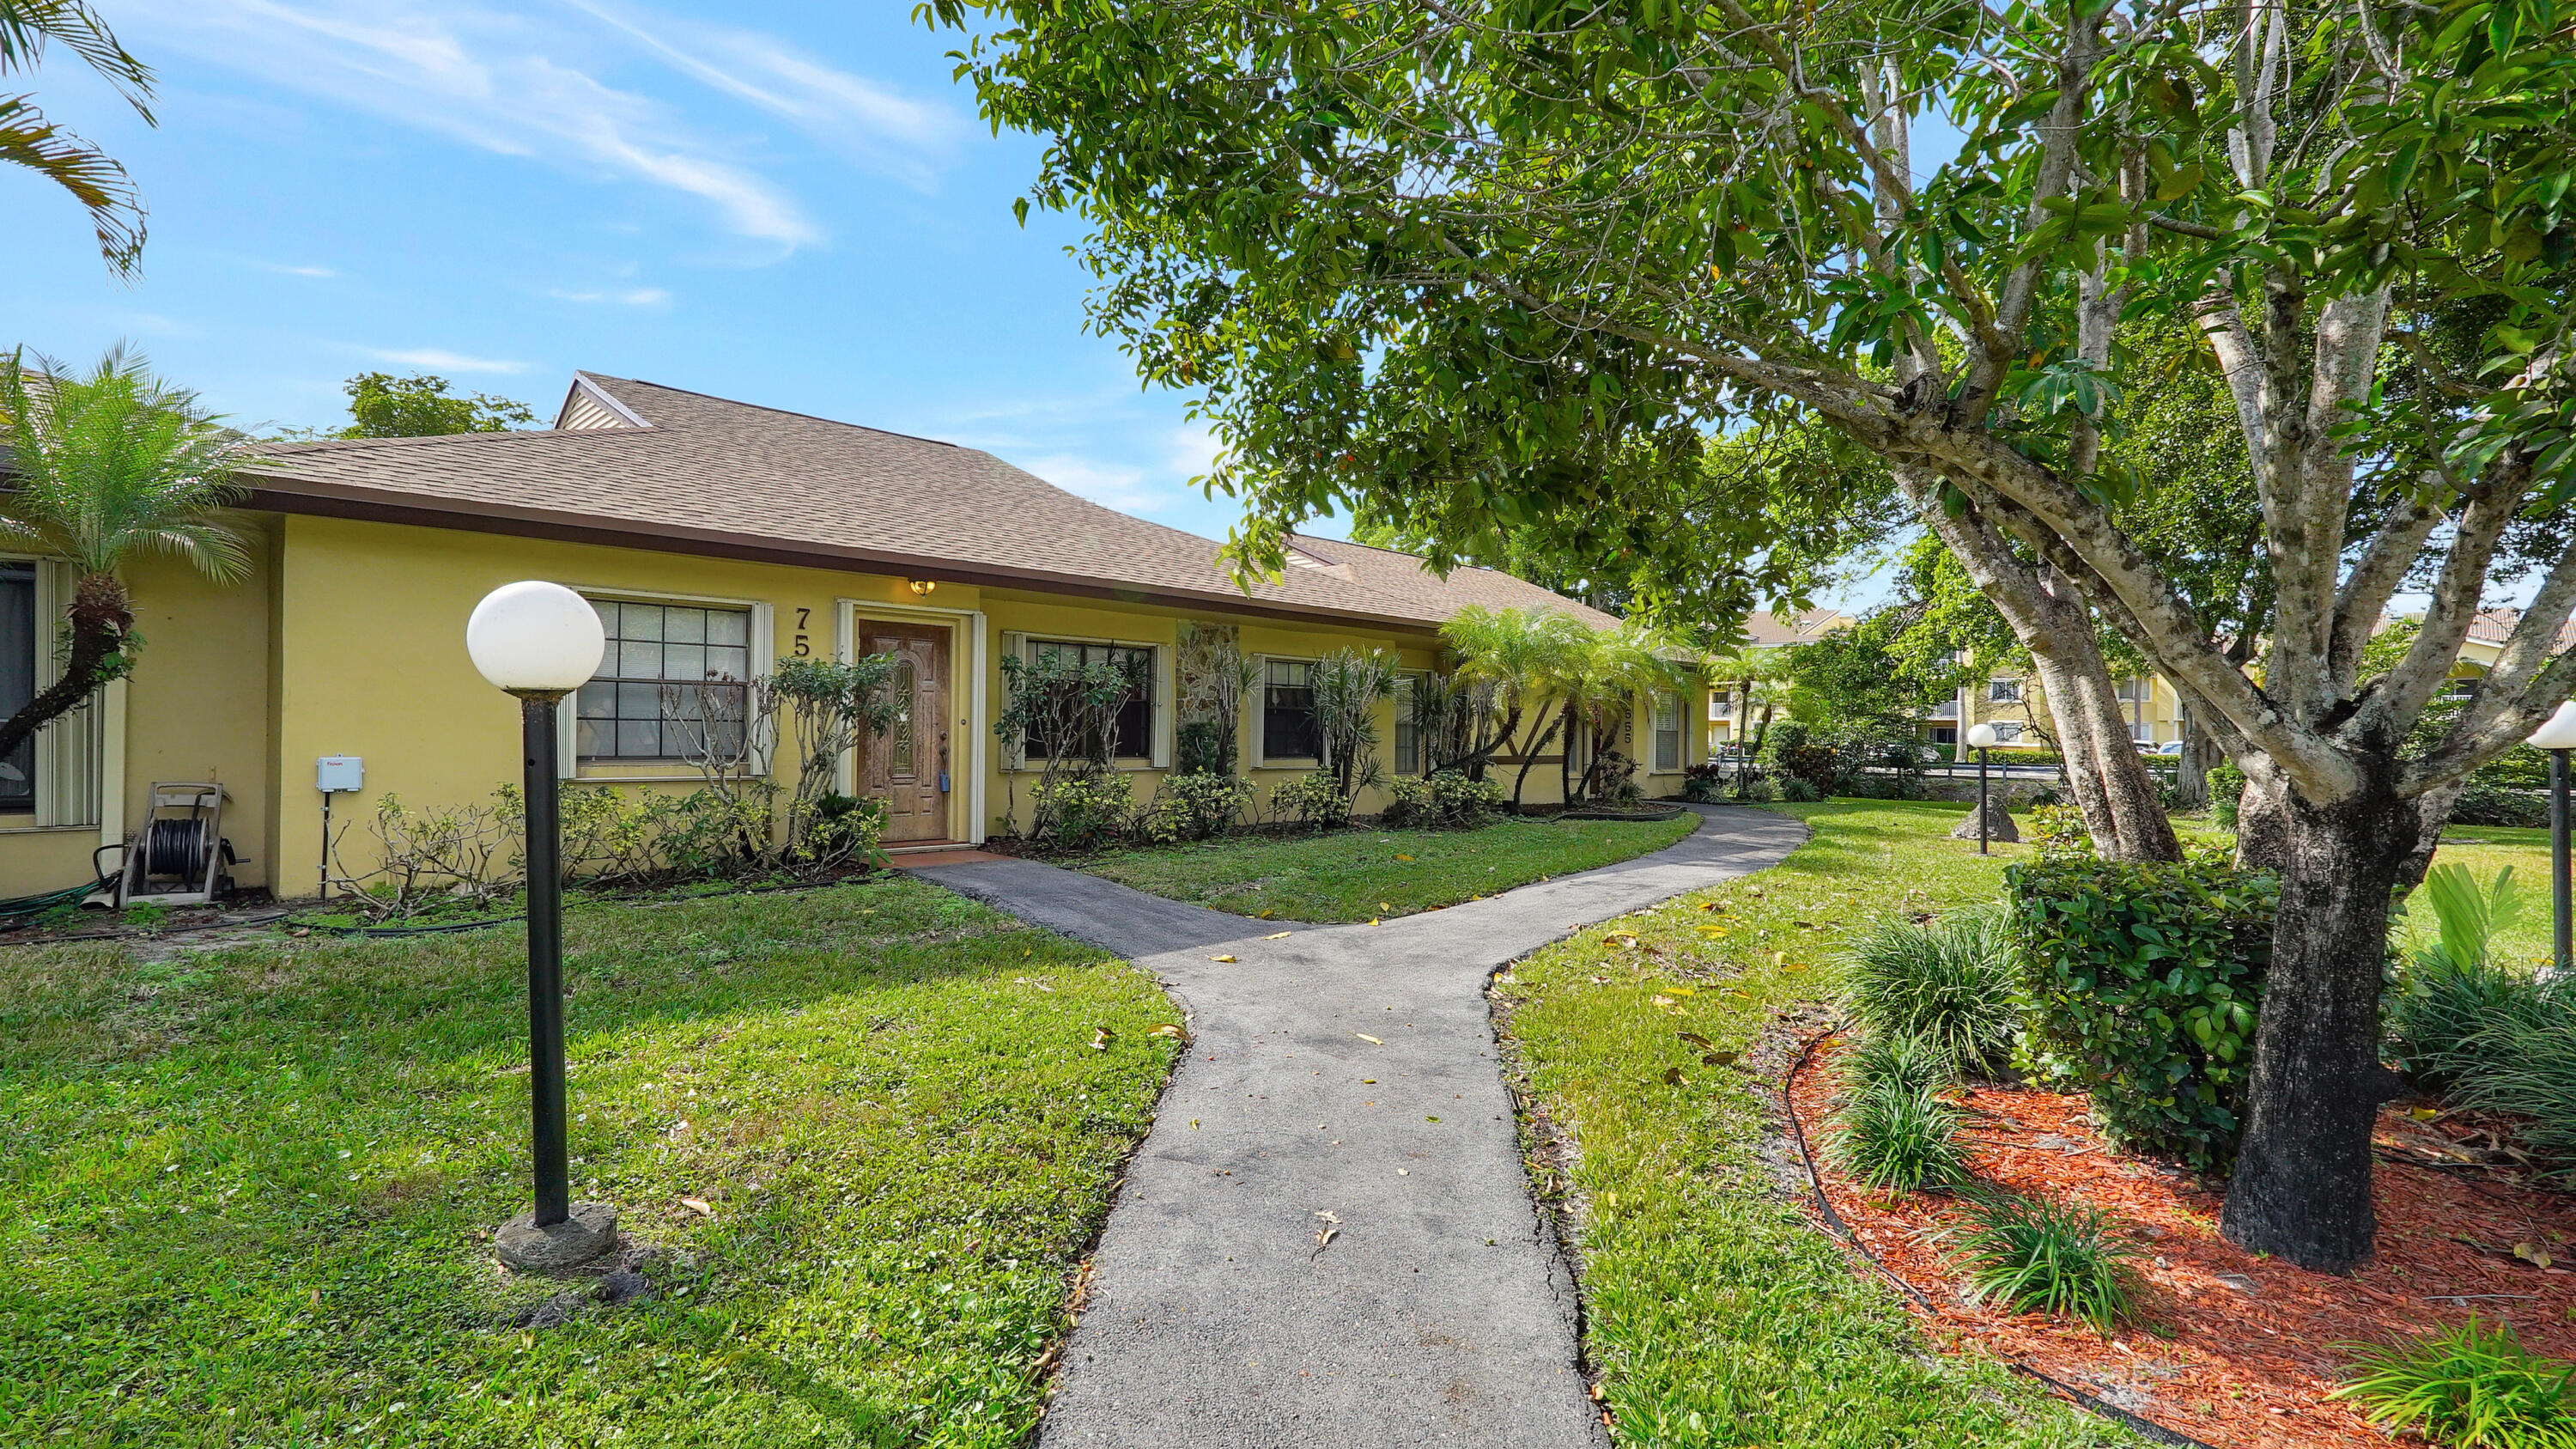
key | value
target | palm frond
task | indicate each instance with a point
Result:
(27, 26)
(93, 178)
(113, 461)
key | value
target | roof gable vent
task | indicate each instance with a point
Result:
(587, 408)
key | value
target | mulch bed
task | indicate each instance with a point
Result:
(2228, 1348)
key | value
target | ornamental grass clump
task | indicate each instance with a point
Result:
(2470, 1387)
(1894, 1131)
(2049, 1257)
(1952, 983)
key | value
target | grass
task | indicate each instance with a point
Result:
(1359, 875)
(2486, 849)
(1716, 1314)
(2474, 1386)
(1898, 1136)
(1949, 983)
(246, 1196)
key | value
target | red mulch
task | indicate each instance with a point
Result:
(2211, 1360)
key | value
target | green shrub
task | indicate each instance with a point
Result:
(2142, 985)
(2473, 1387)
(2050, 1257)
(1796, 790)
(2059, 830)
(2524, 1066)
(1315, 801)
(1704, 783)
(1447, 800)
(841, 828)
(1086, 807)
(1909, 1062)
(2226, 788)
(1952, 984)
(1193, 807)
(1898, 1136)
(2495, 805)
(1202, 747)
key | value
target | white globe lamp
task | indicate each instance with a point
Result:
(2558, 732)
(534, 637)
(1981, 738)
(542, 641)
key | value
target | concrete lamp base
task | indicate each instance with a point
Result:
(589, 1232)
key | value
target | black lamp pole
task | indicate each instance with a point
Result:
(545, 959)
(2558, 883)
(1985, 822)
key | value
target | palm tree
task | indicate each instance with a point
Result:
(27, 139)
(102, 466)
(1531, 656)
(1611, 668)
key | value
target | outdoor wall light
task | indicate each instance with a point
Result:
(541, 641)
(2557, 735)
(923, 588)
(1981, 738)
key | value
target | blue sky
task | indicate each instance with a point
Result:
(789, 205)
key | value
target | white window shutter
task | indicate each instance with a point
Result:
(1256, 738)
(1015, 645)
(1164, 705)
(69, 750)
(568, 736)
(764, 662)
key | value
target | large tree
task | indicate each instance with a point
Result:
(27, 139)
(103, 465)
(382, 405)
(1483, 255)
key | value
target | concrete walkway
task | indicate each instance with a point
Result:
(1327, 1239)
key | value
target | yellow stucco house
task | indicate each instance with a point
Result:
(712, 535)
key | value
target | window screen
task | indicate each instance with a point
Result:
(2003, 690)
(17, 679)
(650, 645)
(1132, 736)
(1288, 712)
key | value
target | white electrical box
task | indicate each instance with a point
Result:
(339, 774)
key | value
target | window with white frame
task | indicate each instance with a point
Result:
(2003, 691)
(1668, 730)
(706, 647)
(2007, 731)
(17, 680)
(1132, 733)
(1288, 730)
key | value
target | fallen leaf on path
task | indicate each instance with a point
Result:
(1372, 920)
(1386, 907)
(1329, 1217)
(1364, 1036)
(1278, 935)
(699, 1206)
(1166, 1029)
(1220, 958)
(2533, 1253)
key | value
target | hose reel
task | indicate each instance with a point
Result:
(179, 855)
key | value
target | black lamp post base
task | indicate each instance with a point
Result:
(589, 1232)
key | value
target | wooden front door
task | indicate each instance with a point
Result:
(908, 767)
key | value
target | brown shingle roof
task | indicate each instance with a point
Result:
(709, 475)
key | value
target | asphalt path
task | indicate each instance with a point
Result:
(1327, 1238)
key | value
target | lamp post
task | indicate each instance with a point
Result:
(1981, 738)
(2557, 735)
(540, 642)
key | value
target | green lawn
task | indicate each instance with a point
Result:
(2485, 849)
(1717, 1315)
(1358, 875)
(246, 1197)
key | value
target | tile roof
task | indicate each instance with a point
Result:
(706, 474)
(2495, 626)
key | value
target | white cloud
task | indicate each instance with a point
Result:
(295, 271)
(502, 81)
(441, 360)
(628, 297)
(1192, 449)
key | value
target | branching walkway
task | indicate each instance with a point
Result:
(1327, 1239)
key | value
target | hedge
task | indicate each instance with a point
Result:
(2144, 981)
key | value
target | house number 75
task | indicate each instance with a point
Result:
(804, 646)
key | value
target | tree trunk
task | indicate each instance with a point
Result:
(101, 616)
(2301, 1191)
(2263, 819)
(2191, 767)
(2103, 772)
(1529, 757)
